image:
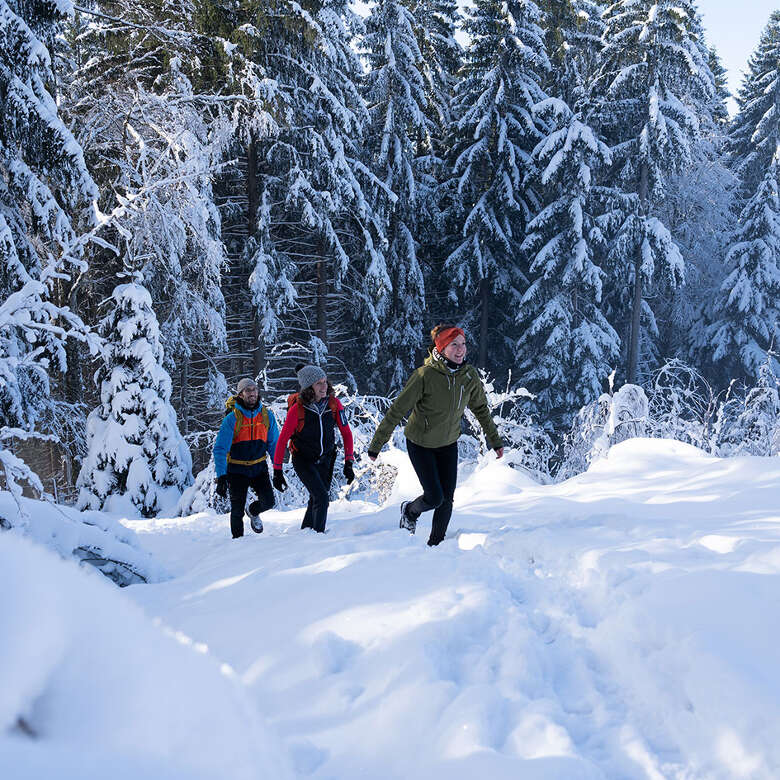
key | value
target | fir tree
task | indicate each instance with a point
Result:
(494, 135)
(44, 186)
(436, 22)
(753, 136)
(654, 89)
(319, 225)
(748, 308)
(573, 30)
(135, 448)
(720, 112)
(398, 131)
(567, 347)
(155, 143)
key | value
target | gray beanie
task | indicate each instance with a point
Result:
(244, 383)
(308, 375)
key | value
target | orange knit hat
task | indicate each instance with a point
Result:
(445, 337)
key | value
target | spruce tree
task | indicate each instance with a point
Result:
(747, 327)
(573, 32)
(436, 22)
(567, 348)
(134, 445)
(753, 136)
(44, 189)
(318, 219)
(654, 89)
(398, 132)
(494, 134)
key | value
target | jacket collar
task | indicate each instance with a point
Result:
(437, 361)
(249, 412)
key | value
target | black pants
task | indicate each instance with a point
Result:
(437, 470)
(239, 487)
(316, 476)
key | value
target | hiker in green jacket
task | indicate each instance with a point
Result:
(437, 393)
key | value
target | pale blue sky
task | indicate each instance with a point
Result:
(734, 28)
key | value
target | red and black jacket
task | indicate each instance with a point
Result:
(311, 433)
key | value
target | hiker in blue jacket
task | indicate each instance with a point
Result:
(248, 433)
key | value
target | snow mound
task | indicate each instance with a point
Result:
(96, 538)
(88, 683)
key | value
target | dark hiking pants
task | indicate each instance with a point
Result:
(239, 485)
(437, 470)
(316, 476)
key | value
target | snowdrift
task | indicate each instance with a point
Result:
(621, 624)
(90, 688)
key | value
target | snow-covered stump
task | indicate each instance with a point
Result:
(135, 448)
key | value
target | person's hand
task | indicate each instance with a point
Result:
(222, 486)
(372, 456)
(349, 472)
(499, 452)
(279, 481)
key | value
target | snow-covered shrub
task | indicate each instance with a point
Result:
(628, 415)
(682, 405)
(135, 448)
(750, 425)
(517, 428)
(201, 495)
(586, 440)
(601, 424)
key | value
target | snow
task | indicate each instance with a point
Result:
(623, 623)
(100, 685)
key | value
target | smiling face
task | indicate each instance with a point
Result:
(320, 388)
(248, 396)
(456, 350)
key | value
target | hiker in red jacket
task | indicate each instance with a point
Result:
(312, 417)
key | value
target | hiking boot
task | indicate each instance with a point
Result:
(254, 517)
(406, 521)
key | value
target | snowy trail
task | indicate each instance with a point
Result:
(623, 624)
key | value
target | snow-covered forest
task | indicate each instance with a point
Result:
(198, 191)
(195, 192)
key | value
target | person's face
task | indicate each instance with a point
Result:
(456, 350)
(320, 388)
(248, 395)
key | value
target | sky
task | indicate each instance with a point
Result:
(734, 34)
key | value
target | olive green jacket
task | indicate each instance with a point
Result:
(437, 397)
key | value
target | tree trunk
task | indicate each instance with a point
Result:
(484, 297)
(257, 347)
(322, 299)
(636, 303)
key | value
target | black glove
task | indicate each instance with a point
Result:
(373, 455)
(279, 482)
(349, 472)
(222, 486)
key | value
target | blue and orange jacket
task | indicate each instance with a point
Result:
(244, 440)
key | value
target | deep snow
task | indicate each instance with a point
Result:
(623, 624)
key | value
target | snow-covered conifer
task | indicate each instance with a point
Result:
(753, 136)
(748, 308)
(135, 448)
(567, 348)
(494, 135)
(398, 132)
(654, 89)
(573, 36)
(44, 184)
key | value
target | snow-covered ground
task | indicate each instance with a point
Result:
(623, 624)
